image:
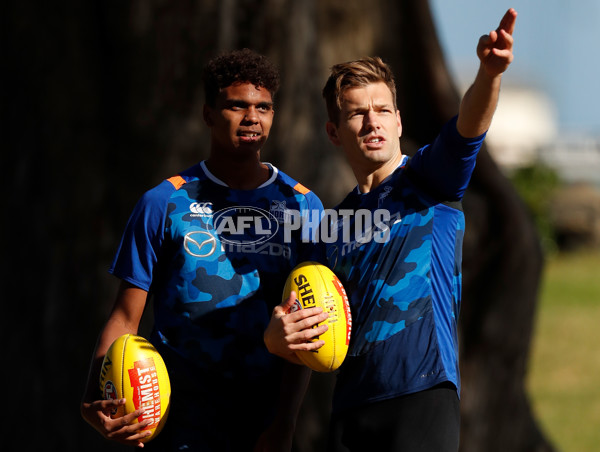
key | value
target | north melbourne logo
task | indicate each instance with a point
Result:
(280, 212)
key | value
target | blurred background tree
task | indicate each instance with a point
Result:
(102, 100)
(538, 184)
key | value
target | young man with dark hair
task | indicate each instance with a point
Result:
(398, 388)
(209, 245)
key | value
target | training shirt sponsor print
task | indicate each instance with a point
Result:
(216, 260)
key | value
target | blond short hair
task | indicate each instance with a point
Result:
(353, 74)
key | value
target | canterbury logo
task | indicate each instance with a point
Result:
(199, 243)
(202, 208)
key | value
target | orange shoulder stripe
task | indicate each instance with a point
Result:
(177, 181)
(301, 188)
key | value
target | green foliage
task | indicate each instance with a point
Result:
(536, 184)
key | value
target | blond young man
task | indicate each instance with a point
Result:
(399, 386)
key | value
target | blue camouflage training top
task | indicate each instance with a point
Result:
(216, 260)
(403, 276)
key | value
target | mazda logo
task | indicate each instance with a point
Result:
(199, 243)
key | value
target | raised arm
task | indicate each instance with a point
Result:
(479, 102)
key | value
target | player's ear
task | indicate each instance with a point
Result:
(332, 133)
(399, 123)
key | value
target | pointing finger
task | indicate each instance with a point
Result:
(508, 21)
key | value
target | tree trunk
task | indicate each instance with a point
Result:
(103, 100)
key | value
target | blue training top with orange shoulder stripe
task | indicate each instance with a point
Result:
(216, 260)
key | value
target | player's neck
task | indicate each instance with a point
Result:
(239, 174)
(370, 178)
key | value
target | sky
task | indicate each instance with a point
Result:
(556, 50)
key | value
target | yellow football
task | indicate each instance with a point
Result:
(317, 286)
(132, 369)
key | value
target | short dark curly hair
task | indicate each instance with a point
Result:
(238, 66)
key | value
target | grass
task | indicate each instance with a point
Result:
(564, 368)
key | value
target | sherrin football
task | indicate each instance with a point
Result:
(134, 370)
(317, 286)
